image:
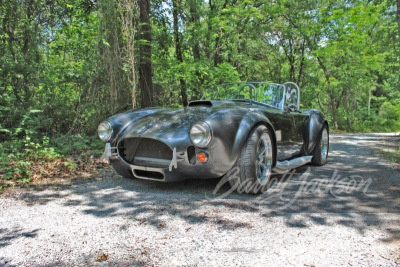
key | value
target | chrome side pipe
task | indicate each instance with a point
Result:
(287, 165)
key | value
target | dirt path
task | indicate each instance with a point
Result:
(344, 213)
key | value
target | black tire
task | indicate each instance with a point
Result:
(321, 149)
(121, 169)
(248, 179)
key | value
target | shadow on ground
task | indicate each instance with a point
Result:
(7, 235)
(355, 189)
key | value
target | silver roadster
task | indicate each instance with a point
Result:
(257, 128)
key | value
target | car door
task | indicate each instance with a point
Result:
(298, 119)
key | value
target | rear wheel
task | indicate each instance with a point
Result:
(121, 169)
(320, 153)
(255, 163)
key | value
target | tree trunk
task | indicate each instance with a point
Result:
(194, 8)
(217, 59)
(128, 12)
(330, 91)
(369, 103)
(398, 19)
(207, 42)
(178, 50)
(291, 61)
(333, 107)
(145, 68)
(301, 67)
(216, 51)
(195, 19)
(348, 111)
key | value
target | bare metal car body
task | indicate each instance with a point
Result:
(156, 144)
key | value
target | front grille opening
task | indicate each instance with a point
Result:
(150, 148)
(149, 152)
(148, 174)
(191, 155)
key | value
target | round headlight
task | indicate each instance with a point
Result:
(200, 134)
(105, 131)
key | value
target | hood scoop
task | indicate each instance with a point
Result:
(200, 103)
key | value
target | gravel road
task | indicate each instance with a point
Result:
(344, 213)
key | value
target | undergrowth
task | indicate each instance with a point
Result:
(25, 160)
(393, 155)
(28, 155)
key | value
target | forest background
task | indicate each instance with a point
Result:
(66, 65)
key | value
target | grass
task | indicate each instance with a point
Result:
(393, 156)
(392, 152)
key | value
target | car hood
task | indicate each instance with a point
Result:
(173, 124)
(166, 123)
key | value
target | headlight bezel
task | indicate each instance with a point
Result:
(200, 128)
(105, 131)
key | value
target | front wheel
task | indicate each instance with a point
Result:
(320, 153)
(255, 163)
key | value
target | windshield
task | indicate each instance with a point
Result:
(268, 93)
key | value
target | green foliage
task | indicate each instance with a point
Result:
(383, 119)
(26, 145)
(19, 155)
(393, 156)
(64, 67)
(340, 53)
(388, 117)
(66, 59)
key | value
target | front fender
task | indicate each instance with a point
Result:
(230, 133)
(257, 118)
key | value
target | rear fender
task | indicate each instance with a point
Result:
(315, 124)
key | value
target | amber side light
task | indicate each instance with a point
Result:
(202, 157)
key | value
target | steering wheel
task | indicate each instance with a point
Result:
(292, 106)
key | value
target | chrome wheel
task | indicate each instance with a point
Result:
(324, 144)
(264, 158)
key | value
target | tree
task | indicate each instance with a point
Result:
(128, 11)
(398, 20)
(145, 66)
(178, 50)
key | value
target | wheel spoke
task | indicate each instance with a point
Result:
(324, 144)
(263, 158)
(262, 153)
(262, 164)
(263, 173)
(260, 145)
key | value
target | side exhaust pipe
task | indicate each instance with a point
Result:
(287, 165)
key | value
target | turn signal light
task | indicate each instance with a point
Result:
(202, 157)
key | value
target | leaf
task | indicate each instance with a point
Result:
(35, 111)
(5, 130)
(102, 257)
(106, 43)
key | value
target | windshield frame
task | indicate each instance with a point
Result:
(287, 87)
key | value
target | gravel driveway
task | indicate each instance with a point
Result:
(344, 213)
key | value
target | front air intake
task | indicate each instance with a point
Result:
(145, 152)
(153, 175)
